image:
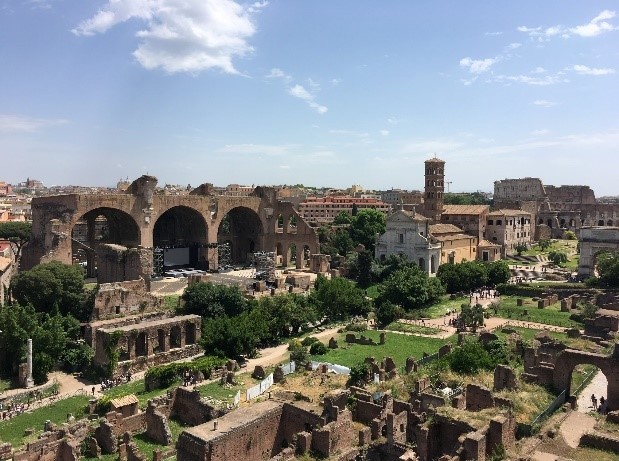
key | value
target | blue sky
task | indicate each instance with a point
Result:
(317, 92)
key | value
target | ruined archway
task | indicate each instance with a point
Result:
(569, 359)
(182, 234)
(243, 228)
(100, 226)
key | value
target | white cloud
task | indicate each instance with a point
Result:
(493, 33)
(298, 91)
(278, 73)
(336, 81)
(477, 66)
(585, 70)
(544, 103)
(538, 70)
(384, 132)
(18, 123)
(182, 36)
(528, 80)
(540, 132)
(596, 26)
(513, 46)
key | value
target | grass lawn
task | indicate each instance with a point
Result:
(12, 430)
(137, 388)
(442, 307)
(396, 346)
(219, 392)
(550, 315)
(567, 246)
(170, 301)
(408, 328)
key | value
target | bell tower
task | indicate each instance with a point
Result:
(434, 188)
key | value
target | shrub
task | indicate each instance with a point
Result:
(318, 348)
(470, 358)
(359, 374)
(298, 352)
(308, 341)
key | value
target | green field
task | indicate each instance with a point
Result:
(137, 388)
(219, 392)
(12, 430)
(414, 329)
(396, 346)
(550, 315)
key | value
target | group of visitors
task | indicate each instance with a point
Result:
(113, 382)
(601, 407)
(483, 293)
(13, 409)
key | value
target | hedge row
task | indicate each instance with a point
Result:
(167, 375)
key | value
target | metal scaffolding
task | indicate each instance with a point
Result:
(265, 265)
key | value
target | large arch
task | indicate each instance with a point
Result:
(568, 359)
(181, 232)
(99, 226)
(241, 226)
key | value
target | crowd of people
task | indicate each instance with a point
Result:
(113, 382)
(13, 409)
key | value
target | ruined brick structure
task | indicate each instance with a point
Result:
(148, 342)
(140, 219)
(594, 240)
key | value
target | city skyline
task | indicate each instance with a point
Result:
(309, 92)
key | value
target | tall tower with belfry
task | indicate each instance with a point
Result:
(434, 188)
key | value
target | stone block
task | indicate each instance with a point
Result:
(259, 372)
(333, 343)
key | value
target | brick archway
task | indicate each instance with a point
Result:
(568, 359)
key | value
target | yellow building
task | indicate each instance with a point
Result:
(456, 246)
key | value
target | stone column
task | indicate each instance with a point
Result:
(29, 380)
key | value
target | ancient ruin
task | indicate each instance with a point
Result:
(184, 229)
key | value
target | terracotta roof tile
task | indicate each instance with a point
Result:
(124, 401)
(465, 209)
(444, 228)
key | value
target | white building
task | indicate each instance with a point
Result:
(407, 234)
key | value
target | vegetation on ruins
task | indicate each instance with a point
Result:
(365, 225)
(53, 288)
(348, 231)
(16, 232)
(165, 376)
(558, 257)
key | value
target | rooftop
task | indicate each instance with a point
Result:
(151, 323)
(437, 229)
(508, 212)
(465, 209)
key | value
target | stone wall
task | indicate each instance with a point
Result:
(600, 441)
(124, 298)
(191, 410)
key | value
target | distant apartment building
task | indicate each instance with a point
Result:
(237, 190)
(470, 218)
(323, 210)
(509, 228)
(397, 197)
(5, 189)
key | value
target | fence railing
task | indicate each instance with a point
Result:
(556, 403)
(331, 367)
(259, 388)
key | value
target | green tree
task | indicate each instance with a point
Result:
(569, 235)
(410, 288)
(608, 268)
(498, 272)
(543, 244)
(364, 261)
(364, 227)
(521, 248)
(298, 352)
(209, 300)
(52, 287)
(338, 298)
(387, 312)
(16, 232)
(342, 218)
(285, 315)
(470, 358)
(472, 316)
(229, 337)
(558, 257)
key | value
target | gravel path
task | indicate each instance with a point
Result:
(598, 387)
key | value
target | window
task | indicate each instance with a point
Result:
(401, 238)
(499, 222)
(490, 222)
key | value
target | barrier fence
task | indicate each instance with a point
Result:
(237, 399)
(333, 368)
(260, 388)
(288, 368)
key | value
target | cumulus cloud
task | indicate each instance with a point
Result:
(540, 132)
(529, 80)
(22, 124)
(585, 70)
(477, 66)
(596, 26)
(181, 35)
(384, 132)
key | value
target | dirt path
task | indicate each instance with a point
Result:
(574, 426)
(598, 387)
